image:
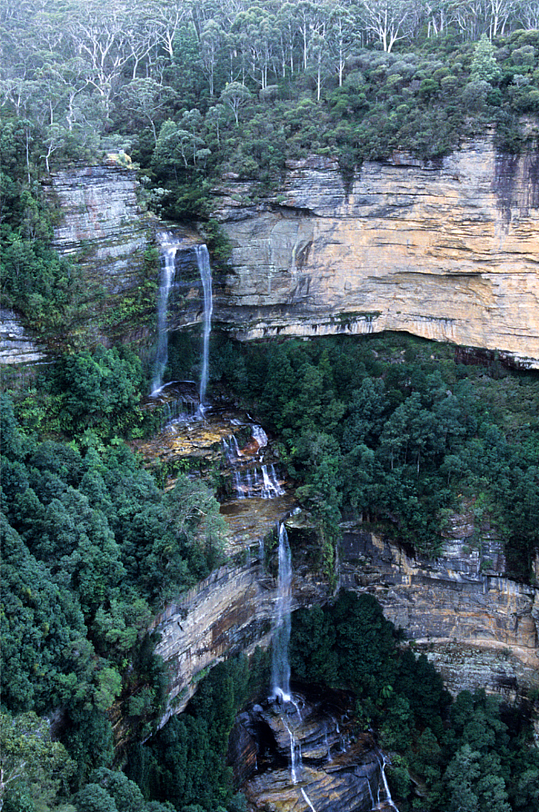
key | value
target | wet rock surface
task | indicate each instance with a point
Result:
(309, 755)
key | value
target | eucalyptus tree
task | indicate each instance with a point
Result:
(147, 101)
(212, 38)
(310, 19)
(110, 37)
(527, 14)
(342, 34)
(236, 95)
(387, 20)
(168, 18)
(287, 38)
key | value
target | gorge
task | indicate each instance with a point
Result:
(479, 629)
(312, 261)
(269, 406)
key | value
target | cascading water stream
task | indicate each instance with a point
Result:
(280, 671)
(252, 480)
(203, 261)
(388, 800)
(169, 248)
(370, 791)
(307, 800)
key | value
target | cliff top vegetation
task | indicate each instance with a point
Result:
(192, 91)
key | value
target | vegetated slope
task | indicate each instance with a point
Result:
(192, 92)
(393, 429)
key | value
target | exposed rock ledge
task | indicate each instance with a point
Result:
(16, 347)
(480, 631)
(447, 252)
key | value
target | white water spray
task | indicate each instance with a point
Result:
(203, 262)
(169, 245)
(307, 800)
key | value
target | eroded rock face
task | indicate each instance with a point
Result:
(447, 252)
(102, 225)
(231, 611)
(16, 347)
(480, 631)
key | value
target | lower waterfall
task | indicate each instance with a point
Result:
(309, 754)
(280, 672)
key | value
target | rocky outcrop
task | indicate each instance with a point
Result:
(479, 630)
(16, 347)
(447, 251)
(106, 231)
(229, 612)
(101, 224)
(308, 757)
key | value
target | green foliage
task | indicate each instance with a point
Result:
(33, 768)
(468, 754)
(394, 430)
(185, 762)
(98, 390)
(91, 546)
(484, 67)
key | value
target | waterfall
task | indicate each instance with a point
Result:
(280, 675)
(271, 487)
(260, 436)
(370, 791)
(388, 799)
(307, 800)
(203, 261)
(169, 246)
(251, 481)
(295, 755)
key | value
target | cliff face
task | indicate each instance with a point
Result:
(480, 631)
(101, 224)
(16, 347)
(229, 612)
(448, 252)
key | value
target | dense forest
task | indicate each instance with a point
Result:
(389, 430)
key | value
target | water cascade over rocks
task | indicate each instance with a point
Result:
(252, 480)
(203, 261)
(301, 751)
(169, 245)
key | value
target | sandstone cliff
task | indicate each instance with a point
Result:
(481, 631)
(16, 346)
(448, 252)
(101, 224)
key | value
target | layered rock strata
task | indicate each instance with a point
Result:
(231, 611)
(102, 226)
(446, 251)
(307, 757)
(480, 631)
(16, 346)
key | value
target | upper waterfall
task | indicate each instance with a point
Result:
(203, 261)
(169, 245)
